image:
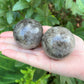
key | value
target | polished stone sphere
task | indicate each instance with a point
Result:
(58, 42)
(28, 33)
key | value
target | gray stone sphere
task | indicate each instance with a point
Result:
(28, 33)
(58, 42)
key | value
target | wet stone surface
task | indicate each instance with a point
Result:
(28, 33)
(58, 42)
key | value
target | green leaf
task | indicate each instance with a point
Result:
(16, 15)
(80, 32)
(2, 12)
(79, 81)
(70, 26)
(46, 21)
(2, 21)
(2, 81)
(82, 1)
(40, 11)
(8, 73)
(28, 0)
(1, 28)
(82, 24)
(80, 4)
(76, 7)
(29, 13)
(10, 17)
(46, 10)
(73, 80)
(56, 81)
(38, 74)
(79, 29)
(20, 5)
(3, 2)
(68, 3)
(36, 3)
(64, 79)
(9, 77)
(6, 63)
(39, 18)
(59, 4)
(18, 64)
(53, 20)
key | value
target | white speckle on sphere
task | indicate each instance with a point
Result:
(58, 42)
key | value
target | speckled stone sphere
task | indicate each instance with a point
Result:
(28, 33)
(58, 42)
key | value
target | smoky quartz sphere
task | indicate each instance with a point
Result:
(28, 33)
(58, 42)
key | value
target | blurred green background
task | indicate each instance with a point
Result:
(66, 13)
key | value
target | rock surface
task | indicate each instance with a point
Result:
(28, 33)
(58, 42)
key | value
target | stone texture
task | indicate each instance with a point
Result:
(28, 33)
(58, 42)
